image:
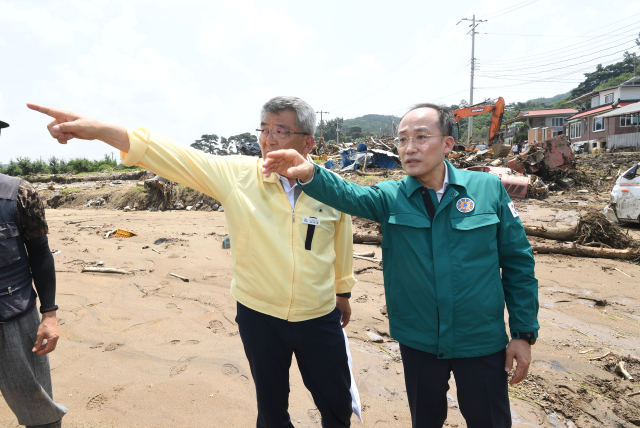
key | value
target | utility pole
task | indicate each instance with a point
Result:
(473, 66)
(322, 122)
(338, 130)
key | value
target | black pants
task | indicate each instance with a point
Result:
(483, 393)
(320, 350)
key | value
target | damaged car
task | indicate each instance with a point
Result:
(625, 196)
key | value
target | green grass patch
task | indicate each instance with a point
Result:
(70, 191)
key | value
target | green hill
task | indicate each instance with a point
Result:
(371, 122)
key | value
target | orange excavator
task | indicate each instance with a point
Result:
(494, 140)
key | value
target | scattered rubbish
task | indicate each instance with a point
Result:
(97, 202)
(156, 251)
(106, 270)
(374, 337)
(89, 227)
(100, 263)
(142, 290)
(184, 278)
(208, 258)
(145, 247)
(189, 208)
(106, 236)
(160, 241)
(123, 233)
(220, 209)
(226, 244)
(542, 157)
(517, 185)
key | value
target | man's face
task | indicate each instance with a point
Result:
(286, 119)
(419, 161)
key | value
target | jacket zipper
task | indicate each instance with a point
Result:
(293, 252)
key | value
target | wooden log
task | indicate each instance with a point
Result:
(582, 251)
(359, 238)
(106, 270)
(555, 233)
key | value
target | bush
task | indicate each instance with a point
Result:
(54, 165)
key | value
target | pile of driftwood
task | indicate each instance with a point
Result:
(593, 236)
(380, 142)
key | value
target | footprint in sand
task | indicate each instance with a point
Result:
(98, 402)
(97, 345)
(242, 379)
(192, 342)
(176, 370)
(216, 326)
(113, 346)
(229, 369)
(171, 306)
(186, 359)
(314, 414)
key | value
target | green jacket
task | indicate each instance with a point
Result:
(445, 294)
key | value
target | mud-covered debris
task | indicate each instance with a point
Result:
(594, 227)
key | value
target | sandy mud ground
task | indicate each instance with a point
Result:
(149, 350)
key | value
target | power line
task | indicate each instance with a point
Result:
(564, 50)
(569, 59)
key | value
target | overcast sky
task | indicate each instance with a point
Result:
(193, 67)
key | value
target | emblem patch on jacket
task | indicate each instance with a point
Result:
(465, 205)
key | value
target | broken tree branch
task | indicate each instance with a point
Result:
(368, 259)
(574, 249)
(106, 270)
(621, 369)
(369, 254)
(184, 278)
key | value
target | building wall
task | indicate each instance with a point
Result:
(630, 93)
(612, 127)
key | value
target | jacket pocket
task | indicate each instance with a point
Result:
(9, 252)
(471, 222)
(14, 299)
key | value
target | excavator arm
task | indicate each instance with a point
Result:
(496, 110)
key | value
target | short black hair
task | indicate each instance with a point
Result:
(445, 117)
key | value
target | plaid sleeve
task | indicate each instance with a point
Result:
(31, 221)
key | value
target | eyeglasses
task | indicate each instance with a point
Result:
(418, 140)
(278, 133)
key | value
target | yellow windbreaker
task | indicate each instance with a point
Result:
(273, 273)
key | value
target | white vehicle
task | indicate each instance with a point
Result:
(625, 196)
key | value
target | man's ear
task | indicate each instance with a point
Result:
(308, 144)
(449, 142)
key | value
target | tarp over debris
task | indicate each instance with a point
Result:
(374, 158)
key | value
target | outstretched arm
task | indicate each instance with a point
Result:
(327, 187)
(67, 125)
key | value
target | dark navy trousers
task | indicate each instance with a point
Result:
(321, 353)
(483, 393)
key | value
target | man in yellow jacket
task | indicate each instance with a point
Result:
(292, 255)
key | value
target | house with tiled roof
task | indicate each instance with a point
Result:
(588, 125)
(552, 118)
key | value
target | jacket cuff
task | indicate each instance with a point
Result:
(345, 284)
(138, 143)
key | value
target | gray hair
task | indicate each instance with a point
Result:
(305, 115)
(446, 121)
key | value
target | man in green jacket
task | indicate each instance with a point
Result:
(454, 252)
